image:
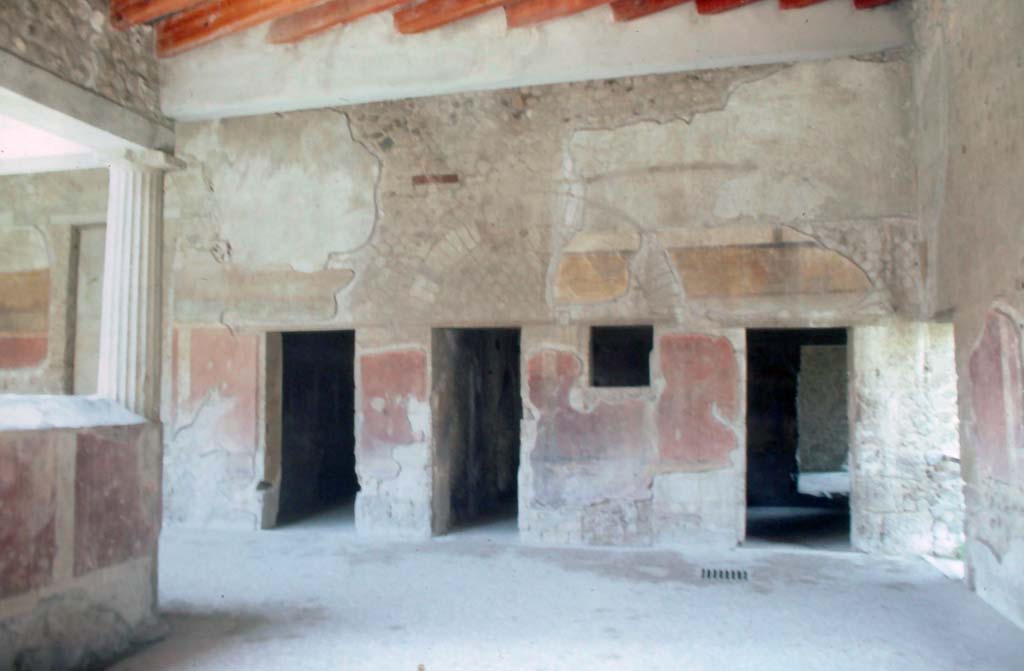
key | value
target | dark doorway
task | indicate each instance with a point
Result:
(317, 424)
(797, 438)
(477, 411)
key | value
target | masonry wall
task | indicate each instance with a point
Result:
(634, 466)
(906, 485)
(769, 195)
(73, 39)
(79, 520)
(701, 203)
(823, 431)
(969, 87)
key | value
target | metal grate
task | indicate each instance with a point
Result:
(724, 574)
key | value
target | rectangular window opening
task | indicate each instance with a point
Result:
(620, 356)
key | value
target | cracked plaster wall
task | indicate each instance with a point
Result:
(768, 195)
(969, 93)
(659, 465)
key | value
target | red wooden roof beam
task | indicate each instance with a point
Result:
(127, 13)
(323, 17)
(216, 18)
(718, 6)
(432, 14)
(797, 4)
(627, 10)
(530, 12)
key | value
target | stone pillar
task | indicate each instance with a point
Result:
(906, 489)
(130, 323)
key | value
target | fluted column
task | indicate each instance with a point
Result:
(130, 322)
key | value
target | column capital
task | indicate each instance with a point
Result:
(148, 159)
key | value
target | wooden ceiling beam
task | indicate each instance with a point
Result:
(432, 14)
(718, 6)
(320, 18)
(530, 12)
(797, 4)
(127, 13)
(868, 4)
(627, 10)
(213, 19)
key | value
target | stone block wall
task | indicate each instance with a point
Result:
(79, 521)
(73, 39)
(906, 481)
(823, 430)
(633, 466)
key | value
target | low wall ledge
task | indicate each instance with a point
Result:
(32, 412)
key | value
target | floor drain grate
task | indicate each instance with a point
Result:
(724, 574)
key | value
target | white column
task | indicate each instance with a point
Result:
(130, 322)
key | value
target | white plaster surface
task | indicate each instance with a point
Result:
(823, 484)
(22, 248)
(29, 412)
(316, 597)
(369, 61)
(305, 169)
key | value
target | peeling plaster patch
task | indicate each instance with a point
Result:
(312, 180)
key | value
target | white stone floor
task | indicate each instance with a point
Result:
(314, 597)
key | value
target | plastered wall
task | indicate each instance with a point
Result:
(769, 195)
(969, 88)
(700, 202)
(634, 466)
(906, 484)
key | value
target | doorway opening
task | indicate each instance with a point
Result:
(798, 483)
(318, 463)
(477, 412)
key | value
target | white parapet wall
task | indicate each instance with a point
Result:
(369, 61)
